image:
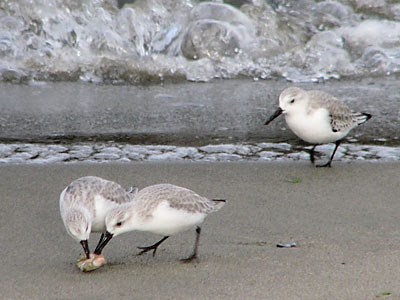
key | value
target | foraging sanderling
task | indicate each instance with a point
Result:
(163, 209)
(84, 204)
(317, 117)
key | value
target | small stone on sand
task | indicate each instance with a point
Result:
(94, 262)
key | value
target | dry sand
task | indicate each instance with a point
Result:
(345, 220)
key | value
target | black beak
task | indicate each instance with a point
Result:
(85, 247)
(107, 237)
(276, 114)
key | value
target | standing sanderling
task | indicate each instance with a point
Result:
(84, 204)
(317, 117)
(163, 209)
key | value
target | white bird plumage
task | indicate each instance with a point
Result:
(163, 209)
(317, 117)
(84, 204)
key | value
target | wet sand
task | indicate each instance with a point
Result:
(345, 221)
(221, 111)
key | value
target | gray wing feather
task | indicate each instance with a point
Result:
(86, 188)
(342, 118)
(178, 197)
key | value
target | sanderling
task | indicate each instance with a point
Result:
(84, 204)
(317, 117)
(163, 209)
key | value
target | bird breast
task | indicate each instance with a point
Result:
(313, 127)
(165, 220)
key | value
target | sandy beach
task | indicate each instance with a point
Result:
(180, 92)
(345, 221)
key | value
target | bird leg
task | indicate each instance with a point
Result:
(96, 260)
(152, 247)
(90, 261)
(85, 247)
(328, 164)
(196, 245)
(312, 152)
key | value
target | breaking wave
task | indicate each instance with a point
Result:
(154, 41)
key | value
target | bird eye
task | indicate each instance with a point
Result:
(292, 101)
(119, 224)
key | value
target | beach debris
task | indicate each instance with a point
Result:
(286, 245)
(90, 264)
(384, 295)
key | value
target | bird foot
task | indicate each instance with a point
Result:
(90, 264)
(190, 259)
(328, 164)
(147, 249)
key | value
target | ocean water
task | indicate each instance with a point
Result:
(104, 41)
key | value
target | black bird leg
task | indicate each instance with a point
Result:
(196, 245)
(85, 247)
(152, 247)
(328, 164)
(312, 152)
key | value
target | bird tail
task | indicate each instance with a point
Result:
(361, 117)
(218, 203)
